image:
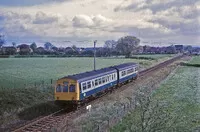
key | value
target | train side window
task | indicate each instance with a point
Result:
(96, 82)
(88, 84)
(65, 88)
(93, 84)
(72, 88)
(123, 73)
(103, 80)
(128, 71)
(100, 81)
(106, 79)
(84, 86)
(112, 77)
(58, 88)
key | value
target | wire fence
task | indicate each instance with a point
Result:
(47, 85)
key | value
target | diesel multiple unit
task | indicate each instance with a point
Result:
(80, 87)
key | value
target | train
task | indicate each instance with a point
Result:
(79, 88)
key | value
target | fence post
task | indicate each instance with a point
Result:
(43, 85)
(108, 122)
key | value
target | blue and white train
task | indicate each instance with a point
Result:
(78, 88)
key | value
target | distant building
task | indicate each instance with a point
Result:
(139, 50)
(24, 49)
(179, 48)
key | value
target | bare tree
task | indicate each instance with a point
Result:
(2, 40)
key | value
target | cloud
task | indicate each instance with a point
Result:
(42, 18)
(105, 19)
(21, 3)
(82, 21)
(85, 21)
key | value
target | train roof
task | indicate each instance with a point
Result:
(125, 65)
(100, 72)
(91, 74)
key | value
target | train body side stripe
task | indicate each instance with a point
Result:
(97, 90)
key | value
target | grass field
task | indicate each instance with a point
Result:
(27, 72)
(19, 97)
(195, 60)
(179, 96)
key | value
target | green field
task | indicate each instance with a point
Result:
(25, 83)
(178, 107)
(28, 72)
(195, 60)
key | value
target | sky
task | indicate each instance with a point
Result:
(80, 22)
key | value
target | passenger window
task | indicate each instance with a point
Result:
(58, 88)
(72, 88)
(103, 79)
(93, 83)
(88, 85)
(84, 86)
(100, 81)
(65, 88)
(96, 82)
(123, 73)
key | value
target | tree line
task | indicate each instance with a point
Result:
(124, 46)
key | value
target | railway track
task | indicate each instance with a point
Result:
(44, 124)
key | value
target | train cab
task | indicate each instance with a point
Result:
(67, 89)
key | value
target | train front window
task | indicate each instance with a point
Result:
(72, 88)
(59, 88)
(65, 88)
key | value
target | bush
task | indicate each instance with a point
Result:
(4, 56)
(188, 64)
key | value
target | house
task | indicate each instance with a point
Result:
(139, 50)
(24, 49)
(179, 48)
(171, 50)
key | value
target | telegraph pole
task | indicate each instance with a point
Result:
(95, 54)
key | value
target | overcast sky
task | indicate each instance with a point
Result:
(82, 21)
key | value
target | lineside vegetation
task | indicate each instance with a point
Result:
(175, 106)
